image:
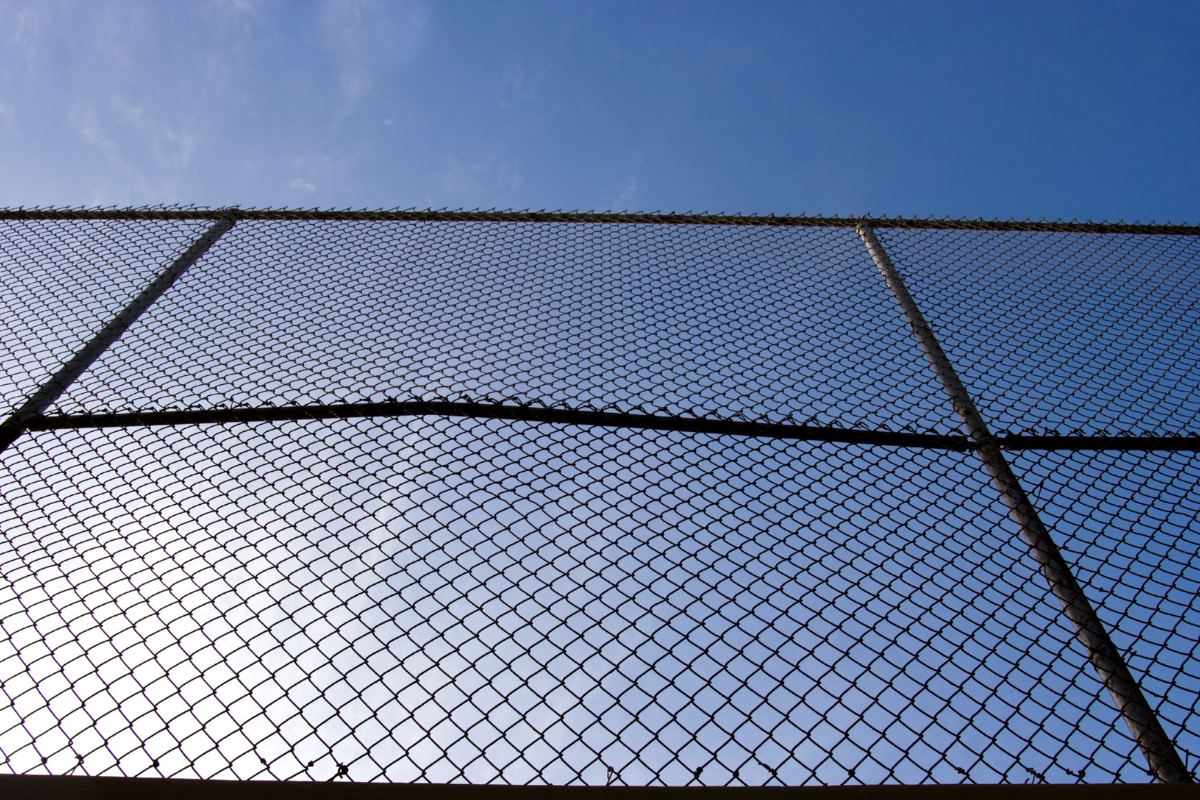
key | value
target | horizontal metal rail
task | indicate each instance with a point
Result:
(604, 419)
(1177, 444)
(656, 218)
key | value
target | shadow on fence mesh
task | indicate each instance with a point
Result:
(594, 499)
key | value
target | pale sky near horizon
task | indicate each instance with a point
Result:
(910, 108)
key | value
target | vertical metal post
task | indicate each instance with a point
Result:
(1165, 763)
(53, 388)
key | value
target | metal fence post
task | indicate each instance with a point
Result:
(33, 408)
(1165, 763)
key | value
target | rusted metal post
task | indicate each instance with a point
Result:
(1165, 763)
(52, 389)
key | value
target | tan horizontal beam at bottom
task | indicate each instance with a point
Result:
(52, 787)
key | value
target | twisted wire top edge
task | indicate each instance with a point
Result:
(651, 218)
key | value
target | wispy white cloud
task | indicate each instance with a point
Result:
(123, 176)
(120, 35)
(233, 21)
(364, 36)
(485, 176)
(148, 156)
(373, 32)
(457, 178)
(90, 131)
(623, 200)
(23, 23)
(238, 8)
(355, 82)
(317, 173)
(7, 118)
(171, 146)
(301, 185)
(522, 82)
(511, 177)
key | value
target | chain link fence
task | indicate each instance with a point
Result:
(598, 499)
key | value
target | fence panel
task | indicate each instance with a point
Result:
(204, 574)
(717, 321)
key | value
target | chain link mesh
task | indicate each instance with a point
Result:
(63, 279)
(717, 321)
(1128, 524)
(1064, 331)
(427, 598)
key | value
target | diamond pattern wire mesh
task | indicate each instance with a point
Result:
(722, 322)
(1129, 524)
(63, 279)
(448, 599)
(1064, 331)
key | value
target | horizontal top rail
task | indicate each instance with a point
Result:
(654, 218)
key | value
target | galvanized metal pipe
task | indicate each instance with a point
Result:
(33, 408)
(1164, 762)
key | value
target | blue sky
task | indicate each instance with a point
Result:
(1009, 109)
